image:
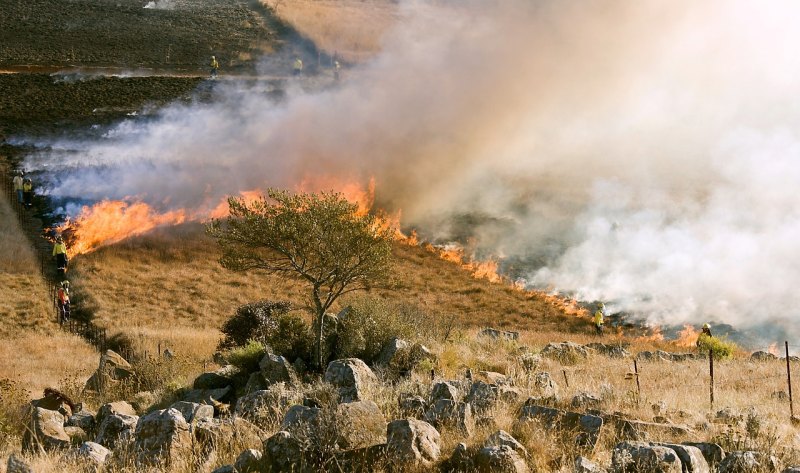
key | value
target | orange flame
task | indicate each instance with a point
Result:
(687, 337)
(773, 349)
(655, 336)
(111, 221)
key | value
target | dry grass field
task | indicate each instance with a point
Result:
(351, 29)
(35, 353)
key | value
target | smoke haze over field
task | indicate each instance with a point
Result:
(644, 153)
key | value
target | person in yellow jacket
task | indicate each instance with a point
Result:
(60, 253)
(214, 66)
(598, 318)
(298, 66)
(17, 181)
(27, 192)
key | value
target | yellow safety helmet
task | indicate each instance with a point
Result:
(706, 326)
(65, 283)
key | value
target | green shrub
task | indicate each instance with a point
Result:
(370, 323)
(291, 337)
(246, 358)
(253, 321)
(721, 348)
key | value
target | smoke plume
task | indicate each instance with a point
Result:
(642, 153)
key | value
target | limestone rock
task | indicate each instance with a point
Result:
(748, 462)
(255, 383)
(392, 353)
(501, 459)
(193, 412)
(639, 456)
(713, 453)
(163, 435)
(412, 406)
(543, 386)
(609, 350)
(587, 426)
(691, 457)
(762, 356)
(584, 465)
(584, 400)
(115, 427)
(76, 435)
(283, 452)
(351, 377)
(267, 406)
(277, 369)
(565, 352)
(448, 414)
(444, 390)
(93, 453)
(359, 424)
(83, 419)
(530, 362)
(111, 408)
(249, 461)
(482, 396)
(210, 433)
(17, 464)
(45, 430)
(496, 334)
(412, 443)
(501, 437)
(301, 421)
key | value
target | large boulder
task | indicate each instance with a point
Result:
(249, 461)
(448, 414)
(115, 427)
(266, 407)
(212, 380)
(544, 387)
(393, 353)
(482, 396)
(351, 377)
(412, 443)
(54, 400)
(640, 456)
(609, 350)
(567, 353)
(691, 458)
(76, 435)
(301, 421)
(83, 419)
(277, 369)
(112, 369)
(283, 452)
(499, 459)
(412, 406)
(501, 437)
(193, 412)
(112, 408)
(495, 334)
(359, 424)
(92, 453)
(45, 431)
(713, 453)
(163, 435)
(210, 434)
(587, 427)
(748, 462)
(444, 390)
(762, 356)
(17, 464)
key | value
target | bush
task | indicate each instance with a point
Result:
(254, 321)
(247, 357)
(722, 349)
(13, 399)
(370, 323)
(291, 337)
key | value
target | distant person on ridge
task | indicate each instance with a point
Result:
(297, 69)
(17, 181)
(60, 252)
(63, 302)
(214, 66)
(27, 192)
(598, 318)
(336, 68)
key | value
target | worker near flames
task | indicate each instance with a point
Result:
(706, 332)
(60, 252)
(27, 192)
(63, 302)
(598, 318)
(297, 68)
(214, 66)
(17, 181)
(336, 68)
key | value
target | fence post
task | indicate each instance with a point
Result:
(711, 372)
(638, 386)
(566, 381)
(789, 380)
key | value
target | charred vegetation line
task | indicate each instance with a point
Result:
(33, 228)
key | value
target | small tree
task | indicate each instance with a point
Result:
(320, 238)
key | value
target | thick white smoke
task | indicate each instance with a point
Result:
(644, 153)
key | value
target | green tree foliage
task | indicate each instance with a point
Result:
(370, 323)
(253, 321)
(319, 238)
(722, 349)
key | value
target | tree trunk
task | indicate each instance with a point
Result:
(319, 328)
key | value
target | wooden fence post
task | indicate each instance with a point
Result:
(711, 372)
(566, 380)
(789, 380)
(638, 385)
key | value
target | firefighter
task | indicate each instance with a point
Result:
(27, 192)
(706, 332)
(214, 66)
(598, 318)
(336, 68)
(298, 66)
(60, 253)
(63, 302)
(18, 186)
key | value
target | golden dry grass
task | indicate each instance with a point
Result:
(34, 352)
(352, 29)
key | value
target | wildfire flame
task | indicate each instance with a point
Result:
(655, 336)
(687, 337)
